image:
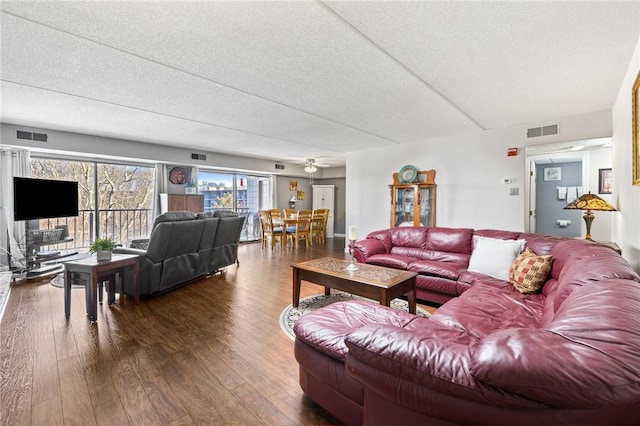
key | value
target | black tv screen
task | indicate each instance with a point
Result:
(43, 198)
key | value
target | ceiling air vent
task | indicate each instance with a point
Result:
(202, 157)
(534, 132)
(279, 166)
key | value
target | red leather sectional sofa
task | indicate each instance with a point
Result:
(569, 354)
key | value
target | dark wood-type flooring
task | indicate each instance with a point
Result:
(211, 352)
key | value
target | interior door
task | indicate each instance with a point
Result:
(532, 196)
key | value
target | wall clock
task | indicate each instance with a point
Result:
(408, 174)
(178, 176)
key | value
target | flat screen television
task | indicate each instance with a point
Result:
(44, 198)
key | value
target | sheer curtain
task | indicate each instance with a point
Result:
(13, 162)
(273, 193)
(161, 186)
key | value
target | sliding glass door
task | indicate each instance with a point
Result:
(241, 193)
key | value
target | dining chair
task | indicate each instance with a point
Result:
(269, 231)
(319, 225)
(301, 230)
(288, 212)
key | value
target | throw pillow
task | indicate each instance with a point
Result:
(493, 256)
(529, 271)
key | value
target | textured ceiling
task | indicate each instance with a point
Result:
(293, 80)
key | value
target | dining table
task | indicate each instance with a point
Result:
(286, 221)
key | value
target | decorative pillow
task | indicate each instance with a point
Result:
(529, 271)
(493, 256)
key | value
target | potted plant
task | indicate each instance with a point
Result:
(102, 247)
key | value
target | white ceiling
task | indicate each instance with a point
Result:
(299, 79)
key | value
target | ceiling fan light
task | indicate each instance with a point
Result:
(310, 168)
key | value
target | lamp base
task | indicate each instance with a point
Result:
(352, 266)
(588, 218)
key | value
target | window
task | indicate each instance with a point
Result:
(114, 200)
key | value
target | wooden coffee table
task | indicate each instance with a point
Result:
(374, 282)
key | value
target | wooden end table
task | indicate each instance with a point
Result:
(96, 272)
(374, 282)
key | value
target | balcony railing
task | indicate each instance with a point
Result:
(121, 225)
(124, 225)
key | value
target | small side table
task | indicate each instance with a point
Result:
(95, 273)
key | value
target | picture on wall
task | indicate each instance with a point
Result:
(552, 173)
(605, 181)
(293, 185)
(300, 195)
(178, 176)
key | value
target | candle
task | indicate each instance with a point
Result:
(352, 233)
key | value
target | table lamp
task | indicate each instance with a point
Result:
(590, 202)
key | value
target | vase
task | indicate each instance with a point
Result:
(102, 255)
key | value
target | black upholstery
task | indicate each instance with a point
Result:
(183, 247)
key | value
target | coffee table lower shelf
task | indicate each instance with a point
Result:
(370, 281)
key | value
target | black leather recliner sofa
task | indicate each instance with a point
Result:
(182, 247)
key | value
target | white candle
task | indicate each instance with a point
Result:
(352, 233)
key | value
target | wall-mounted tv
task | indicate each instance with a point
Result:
(43, 198)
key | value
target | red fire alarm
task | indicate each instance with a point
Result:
(512, 152)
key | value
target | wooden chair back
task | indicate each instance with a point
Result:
(302, 229)
(269, 232)
(319, 225)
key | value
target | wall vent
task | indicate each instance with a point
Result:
(28, 136)
(40, 137)
(202, 157)
(279, 166)
(21, 134)
(535, 132)
(550, 130)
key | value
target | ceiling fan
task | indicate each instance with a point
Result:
(311, 165)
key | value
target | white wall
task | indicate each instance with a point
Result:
(469, 169)
(602, 227)
(625, 197)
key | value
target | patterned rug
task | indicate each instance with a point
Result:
(58, 281)
(290, 315)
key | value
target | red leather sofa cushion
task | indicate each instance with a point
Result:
(588, 356)
(438, 268)
(327, 329)
(452, 240)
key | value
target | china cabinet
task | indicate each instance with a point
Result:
(413, 199)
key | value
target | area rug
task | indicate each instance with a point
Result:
(58, 281)
(290, 315)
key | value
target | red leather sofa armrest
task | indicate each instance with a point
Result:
(364, 249)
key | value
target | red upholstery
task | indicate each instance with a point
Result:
(490, 355)
(449, 249)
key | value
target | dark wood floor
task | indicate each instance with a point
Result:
(211, 352)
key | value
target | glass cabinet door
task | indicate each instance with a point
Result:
(413, 205)
(404, 208)
(426, 200)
